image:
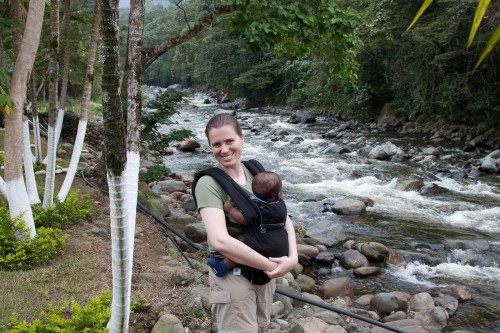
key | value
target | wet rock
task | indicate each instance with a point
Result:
(188, 145)
(489, 165)
(367, 271)
(349, 206)
(434, 319)
(334, 148)
(432, 188)
(325, 258)
(327, 232)
(372, 250)
(302, 117)
(420, 302)
(447, 302)
(387, 303)
(411, 185)
(308, 250)
(353, 259)
(336, 287)
(458, 292)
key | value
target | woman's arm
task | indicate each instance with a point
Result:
(230, 247)
(286, 264)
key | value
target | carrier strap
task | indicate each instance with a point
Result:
(241, 198)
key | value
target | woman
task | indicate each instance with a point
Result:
(237, 305)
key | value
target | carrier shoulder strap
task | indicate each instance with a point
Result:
(248, 208)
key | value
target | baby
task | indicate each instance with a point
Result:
(269, 238)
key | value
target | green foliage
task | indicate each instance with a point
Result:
(153, 174)
(1, 159)
(165, 106)
(17, 251)
(69, 318)
(62, 214)
(301, 29)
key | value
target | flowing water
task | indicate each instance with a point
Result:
(461, 226)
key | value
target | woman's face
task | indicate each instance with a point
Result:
(226, 145)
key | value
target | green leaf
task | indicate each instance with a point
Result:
(495, 38)
(478, 17)
(420, 12)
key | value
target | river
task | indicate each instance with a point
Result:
(460, 226)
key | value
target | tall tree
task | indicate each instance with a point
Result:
(115, 156)
(48, 197)
(14, 183)
(84, 111)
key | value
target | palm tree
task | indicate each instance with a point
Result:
(482, 6)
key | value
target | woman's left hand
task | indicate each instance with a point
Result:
(285, 265)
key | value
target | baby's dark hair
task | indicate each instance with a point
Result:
(266, 185)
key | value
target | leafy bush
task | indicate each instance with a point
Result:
(73, 317)
(17, 251)
(70, 318)
(154, 173)
(1, 159)
(62, 214)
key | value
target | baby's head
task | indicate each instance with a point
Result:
(267, 186)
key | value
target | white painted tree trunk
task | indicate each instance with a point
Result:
(75, 158)
(59, 123)
(3, 189)
(48, 195)
(29, 172)
(120, 305)
(38, 141)
(14, 182)
(82, 124)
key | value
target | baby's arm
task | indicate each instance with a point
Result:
(233, 211)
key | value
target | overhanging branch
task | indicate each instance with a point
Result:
(149, 55)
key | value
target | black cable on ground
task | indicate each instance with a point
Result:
(338, 310)
(159, 220)
(198, 247)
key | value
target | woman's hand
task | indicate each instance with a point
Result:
(285, 265)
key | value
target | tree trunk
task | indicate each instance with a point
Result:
(115, 155)
(29, 172)
(67, 52)
(48, 198)
(84, 112)
(36, 121)
(14, 183)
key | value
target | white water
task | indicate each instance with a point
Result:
(468, 213)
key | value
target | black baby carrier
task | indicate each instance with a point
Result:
(269, 239)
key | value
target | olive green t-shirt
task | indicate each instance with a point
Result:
(210, 194)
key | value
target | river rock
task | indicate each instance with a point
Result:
(196, 232)
(168, 323)
(489, 165)
(387, 303)
(431, 151)
(407, 325)
(169, 186)
(432, 188)
(331, 318)
(178, 219)
(367, 271)
(447, 302)
(188, 145)
(458, 292)
(334, 148)
(336, 287)
(378, 153)
(353, 259)
(372, 250)
(411, 185)
(183, 276)
(420, 302)
(398, 315)
(315, 325)
(327, 232)
(308, 250)
(434, 319)
(349, 206)
(325, 258)
(302, 117)
(305, 283)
